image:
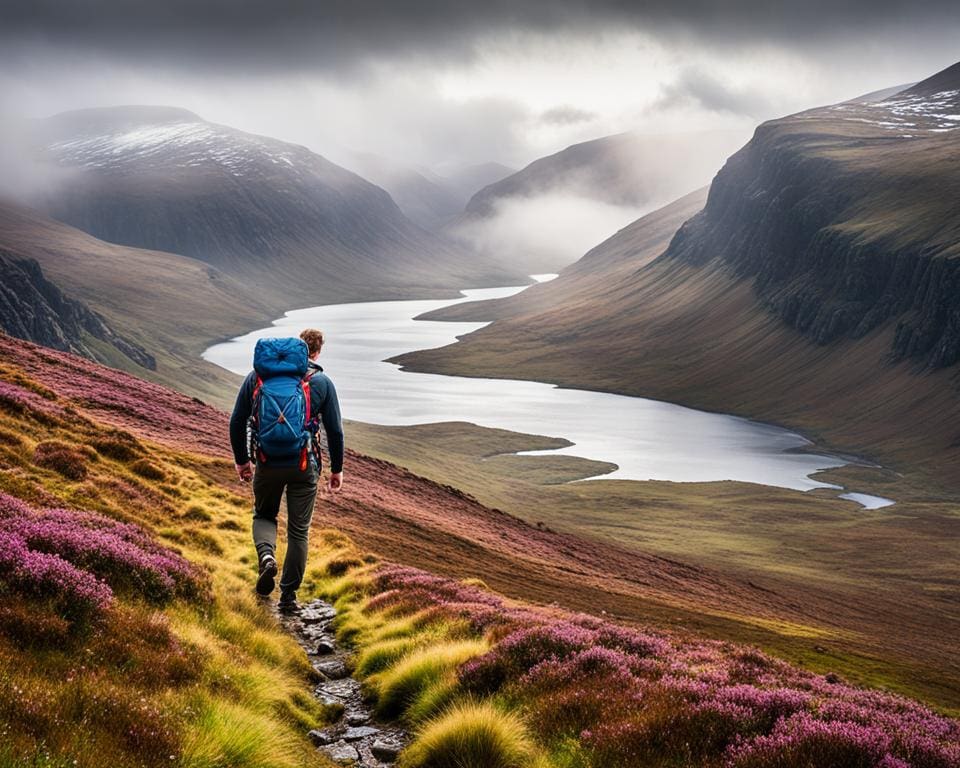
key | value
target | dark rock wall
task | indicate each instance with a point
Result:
(774, 214)
(33, 308)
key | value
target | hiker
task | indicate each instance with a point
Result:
(283, 425)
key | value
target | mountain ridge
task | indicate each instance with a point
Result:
(162, 179)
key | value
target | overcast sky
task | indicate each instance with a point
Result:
(441, 82)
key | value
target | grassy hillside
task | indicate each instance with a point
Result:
(129, 634)
(170, 305)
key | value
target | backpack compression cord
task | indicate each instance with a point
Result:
(281, 402)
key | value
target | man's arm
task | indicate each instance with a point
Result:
(239, 419)
(332, 425)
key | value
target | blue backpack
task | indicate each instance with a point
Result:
(282, 426)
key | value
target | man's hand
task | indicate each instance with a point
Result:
(245, 472)
(335, 482)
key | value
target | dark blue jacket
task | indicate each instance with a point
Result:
(323, 400)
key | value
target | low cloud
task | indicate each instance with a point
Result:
(25, 176)
(547, 232)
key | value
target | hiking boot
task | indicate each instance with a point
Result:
(268, 575)
(288, 603)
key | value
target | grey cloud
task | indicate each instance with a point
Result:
(342, 33)
(695, 87)
(566, 115)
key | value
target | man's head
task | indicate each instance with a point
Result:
(314, 340)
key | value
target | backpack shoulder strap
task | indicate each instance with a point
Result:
(305, 384)
(255, 399)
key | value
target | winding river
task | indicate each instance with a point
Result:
(646, 439)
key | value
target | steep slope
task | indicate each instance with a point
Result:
(34, 309)
(170, 306)
(267, 212)
(879, 241)
(819, 287)
(402, 516)
(627, 169)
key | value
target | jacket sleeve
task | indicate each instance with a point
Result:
(333, 426)
(238, 420)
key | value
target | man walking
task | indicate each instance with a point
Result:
(283, 400)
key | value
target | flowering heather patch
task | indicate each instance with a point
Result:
(521, 650)
(60, 457)
(633, 697)
(11, 506)
(79, 594)
(121, 554)
(411, 590)
(23, 401)
(804, 740)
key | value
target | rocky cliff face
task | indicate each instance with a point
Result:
(838, 216)
(34, 309)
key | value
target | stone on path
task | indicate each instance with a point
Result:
(357, 717)
(386, 749)
(355, 733)
(334, 669)
(341, 753)
(320, 738)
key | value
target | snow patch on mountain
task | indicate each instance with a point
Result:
(177, 144)
(934, 113)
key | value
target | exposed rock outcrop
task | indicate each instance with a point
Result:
(34, 309)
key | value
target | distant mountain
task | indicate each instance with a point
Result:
(430, 199)
(630, 169)
(884, 93)
(34, 309)
(819, 287)
(277, 216)
(427, 201)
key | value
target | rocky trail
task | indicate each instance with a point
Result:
(357, 738)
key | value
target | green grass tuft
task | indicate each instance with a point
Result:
(421, 677)
(229, 736)
(472, 735)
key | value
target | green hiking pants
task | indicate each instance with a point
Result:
(269, 483)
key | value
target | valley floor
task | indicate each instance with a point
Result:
(813, 578)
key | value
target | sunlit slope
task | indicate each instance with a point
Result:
(818, 288)
(402, 516)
